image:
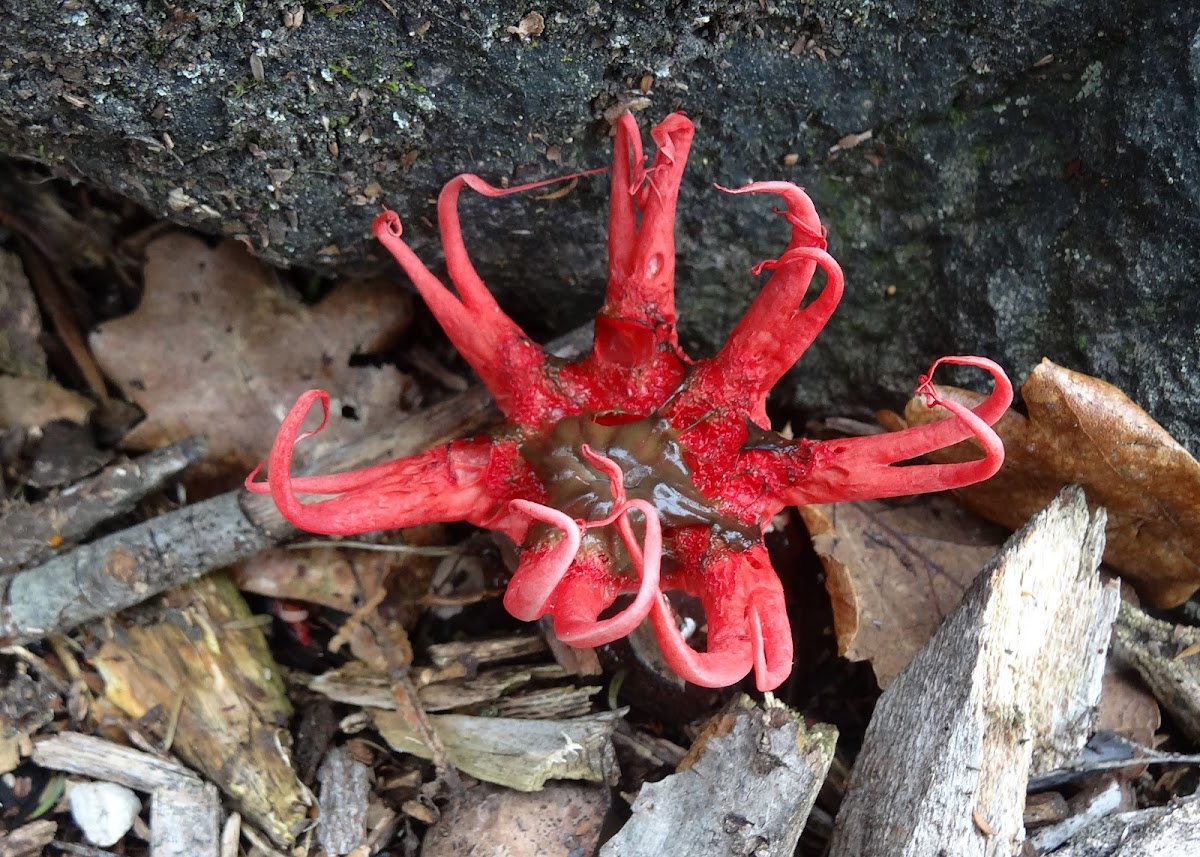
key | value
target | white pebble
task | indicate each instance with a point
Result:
(103, 811)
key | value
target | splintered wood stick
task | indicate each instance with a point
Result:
(1007, 687)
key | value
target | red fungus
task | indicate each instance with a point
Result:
(636, 469)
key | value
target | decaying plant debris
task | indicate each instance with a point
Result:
(384, 704)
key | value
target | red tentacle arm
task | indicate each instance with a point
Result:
(510, 364)
(541, 568)
(639, 309)
(622, 201)
(864, 467)
(446, 483)
(641, 262)
(748, 627)
(776, 330)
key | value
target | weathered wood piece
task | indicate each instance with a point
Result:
(1005, 687)
(520, 754)
(196, 670)
(342, 802)
(185, 811)
(128, 567)
(358, 684)
(34, 533)
(1152, 647)
(28, 840)
(475, 653)
(749, 790)
(1164, 831)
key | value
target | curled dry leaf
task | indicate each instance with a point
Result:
(893, 572)
(530, 26)
(217, 347)
(1083, 430)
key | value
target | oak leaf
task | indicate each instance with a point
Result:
(218, 347)
(1082, 430)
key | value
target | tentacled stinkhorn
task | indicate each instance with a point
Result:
(636, 469)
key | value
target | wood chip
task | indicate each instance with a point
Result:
(185, 812)
(474, 653)
(520, 754)
(357, 684)
(748, 789)
(1007, 685)
(342, 802)
(199, 665)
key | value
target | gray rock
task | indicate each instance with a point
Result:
(1031, 186)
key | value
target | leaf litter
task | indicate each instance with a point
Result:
(218, 347)
(894, 570)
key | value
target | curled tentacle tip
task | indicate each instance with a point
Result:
(387, 222)
(257, 487)
(927, 391)
(771, 667)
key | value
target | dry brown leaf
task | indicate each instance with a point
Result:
(894, 571)
(31, 402)
(1127, 707)
(1083, 430)
(217, 347)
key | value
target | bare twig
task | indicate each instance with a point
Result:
(34, 533)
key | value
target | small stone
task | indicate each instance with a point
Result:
(103, 811)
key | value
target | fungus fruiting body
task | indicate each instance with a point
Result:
(636, 470)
